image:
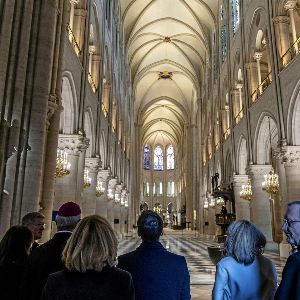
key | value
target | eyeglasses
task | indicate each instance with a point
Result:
(289, 222)
(39, 224)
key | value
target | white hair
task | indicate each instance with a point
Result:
(67, 221)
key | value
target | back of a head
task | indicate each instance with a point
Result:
(31, 218)
(244, 242)
(92, 245)
(150, 226)
(15, 245)
(68, 216)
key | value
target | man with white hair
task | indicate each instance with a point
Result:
(46, 259)
(289, 287)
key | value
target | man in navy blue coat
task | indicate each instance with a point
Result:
(289, 287)
(157, 274)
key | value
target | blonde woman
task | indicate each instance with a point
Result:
(90, 258)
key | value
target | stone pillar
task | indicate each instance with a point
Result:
(290, 6)
(79, 26)
(252, 75)
(242, 207)
(282, 30)
(92, 50)
(290, 156)
(95, 69)
(260, 204)
(111, 200)
(71, 24)
(257, 57)
(102, 200)
(117, 217)
(66, 187)
(236, 105)
(89, 202)
(46, 202)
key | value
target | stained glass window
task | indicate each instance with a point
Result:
(147, 159)
(170, 158)
(223, 42)
(235, 14)
(158, 159)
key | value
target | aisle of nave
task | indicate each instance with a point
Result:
(194, 248)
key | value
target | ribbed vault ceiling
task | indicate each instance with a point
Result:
(167, 44)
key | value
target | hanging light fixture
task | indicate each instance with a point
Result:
(271, 182)
(246, 192)
(100, 189)
(86, 179)
(62, 165)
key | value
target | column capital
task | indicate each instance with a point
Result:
(92, 164)
(239, 180)
(258, 170)
(288, 154)
(112, 183)
(73, 143)
(281, 20)
(257, 55)
(290, 4)
(92, 49)
(74, 1)
(104, 175)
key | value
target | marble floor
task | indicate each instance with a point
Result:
(194, 248)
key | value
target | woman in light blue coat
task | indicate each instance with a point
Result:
(244, 273)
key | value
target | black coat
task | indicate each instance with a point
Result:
(157, 273)
(109, 284)
(289, 287)
(43, 261)
(11, 275)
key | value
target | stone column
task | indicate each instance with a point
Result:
(111, 200)
(252, 75)
(66, 187)
(236, 105)
(79, 26)
(46, 202)
(260, 204)
(117, 208)
(282, 30)
(71, 24)
(242, 207)
(290, 6)
(89, 202)
(257, 56)
(290, 156)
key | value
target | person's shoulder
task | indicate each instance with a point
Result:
(119, 272)
(294, 259)
(126, 256)
(176, 257)
(227, 260)
(59, 275)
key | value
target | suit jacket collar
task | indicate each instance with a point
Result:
(151, 245)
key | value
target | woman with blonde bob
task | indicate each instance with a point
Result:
(90, 257)
(244, 273)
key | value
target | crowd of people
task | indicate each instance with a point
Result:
(80, 262)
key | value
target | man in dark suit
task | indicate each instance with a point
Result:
(35, 222)
(156, 273)
(46, 259)
(289, 287)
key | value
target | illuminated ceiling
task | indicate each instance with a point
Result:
(167, 43)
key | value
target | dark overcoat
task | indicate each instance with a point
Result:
(157, 273)
(289, 288)
(109, 284)
(43, 261)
